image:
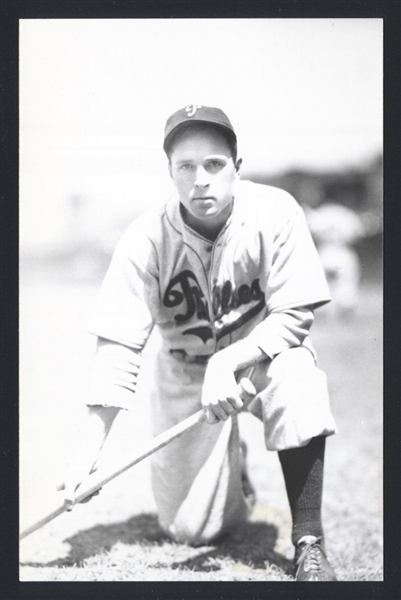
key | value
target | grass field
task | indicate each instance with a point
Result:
(116, 536)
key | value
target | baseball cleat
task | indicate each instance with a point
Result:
(311, 562)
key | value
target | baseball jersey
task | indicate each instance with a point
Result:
(205, 295)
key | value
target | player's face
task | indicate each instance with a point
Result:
(203, 172)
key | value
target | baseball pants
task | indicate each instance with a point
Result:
(196, 479)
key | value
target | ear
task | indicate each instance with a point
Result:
(238, 165)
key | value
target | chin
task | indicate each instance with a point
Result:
(209, 214)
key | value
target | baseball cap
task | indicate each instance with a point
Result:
(196, 113)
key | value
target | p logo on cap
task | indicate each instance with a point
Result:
(192, 108)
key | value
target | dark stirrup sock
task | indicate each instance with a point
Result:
(303, 476)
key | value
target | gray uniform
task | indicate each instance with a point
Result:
(253, 281)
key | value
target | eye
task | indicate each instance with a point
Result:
(215, 164)
(185, 167)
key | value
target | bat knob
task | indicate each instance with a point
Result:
(247, 389)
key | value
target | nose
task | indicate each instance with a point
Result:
(201, 177)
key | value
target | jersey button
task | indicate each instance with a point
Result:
(208, 248)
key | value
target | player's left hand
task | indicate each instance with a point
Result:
(220, 395)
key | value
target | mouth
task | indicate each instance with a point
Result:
(203, 198)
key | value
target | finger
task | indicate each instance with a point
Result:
(69, 496)
(211, 417)
(219, 412)
(69, 503)
(85, 500)
(227, 407)
(235, 402)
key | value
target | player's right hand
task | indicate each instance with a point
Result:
(72, 481)
(220, 395)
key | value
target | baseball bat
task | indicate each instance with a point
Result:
(99, 478)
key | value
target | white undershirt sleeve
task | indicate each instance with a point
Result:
(114, 375)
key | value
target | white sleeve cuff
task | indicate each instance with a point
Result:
(114, 375)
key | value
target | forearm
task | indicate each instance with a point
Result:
(237, 356)
(282, 330)
(278, 332)
(113, 385)
(94, 435)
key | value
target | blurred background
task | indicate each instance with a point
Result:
(305, 97)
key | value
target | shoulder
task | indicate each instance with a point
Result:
(264, 193)
(266, 201)
(142, 237)
(147, 224)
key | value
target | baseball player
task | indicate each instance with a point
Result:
(227, 272)
(335, 230)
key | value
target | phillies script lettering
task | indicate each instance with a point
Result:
(184, 288)
(184, 291)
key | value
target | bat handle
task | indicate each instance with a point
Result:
(246, 390)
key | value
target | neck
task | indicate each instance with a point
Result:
(209, 229)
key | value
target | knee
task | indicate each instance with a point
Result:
(286, 368)
(291, 380)
(294, 374)
(290, 362)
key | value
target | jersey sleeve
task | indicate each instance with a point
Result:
(129, 297)
(296, 276)
(282, 330)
